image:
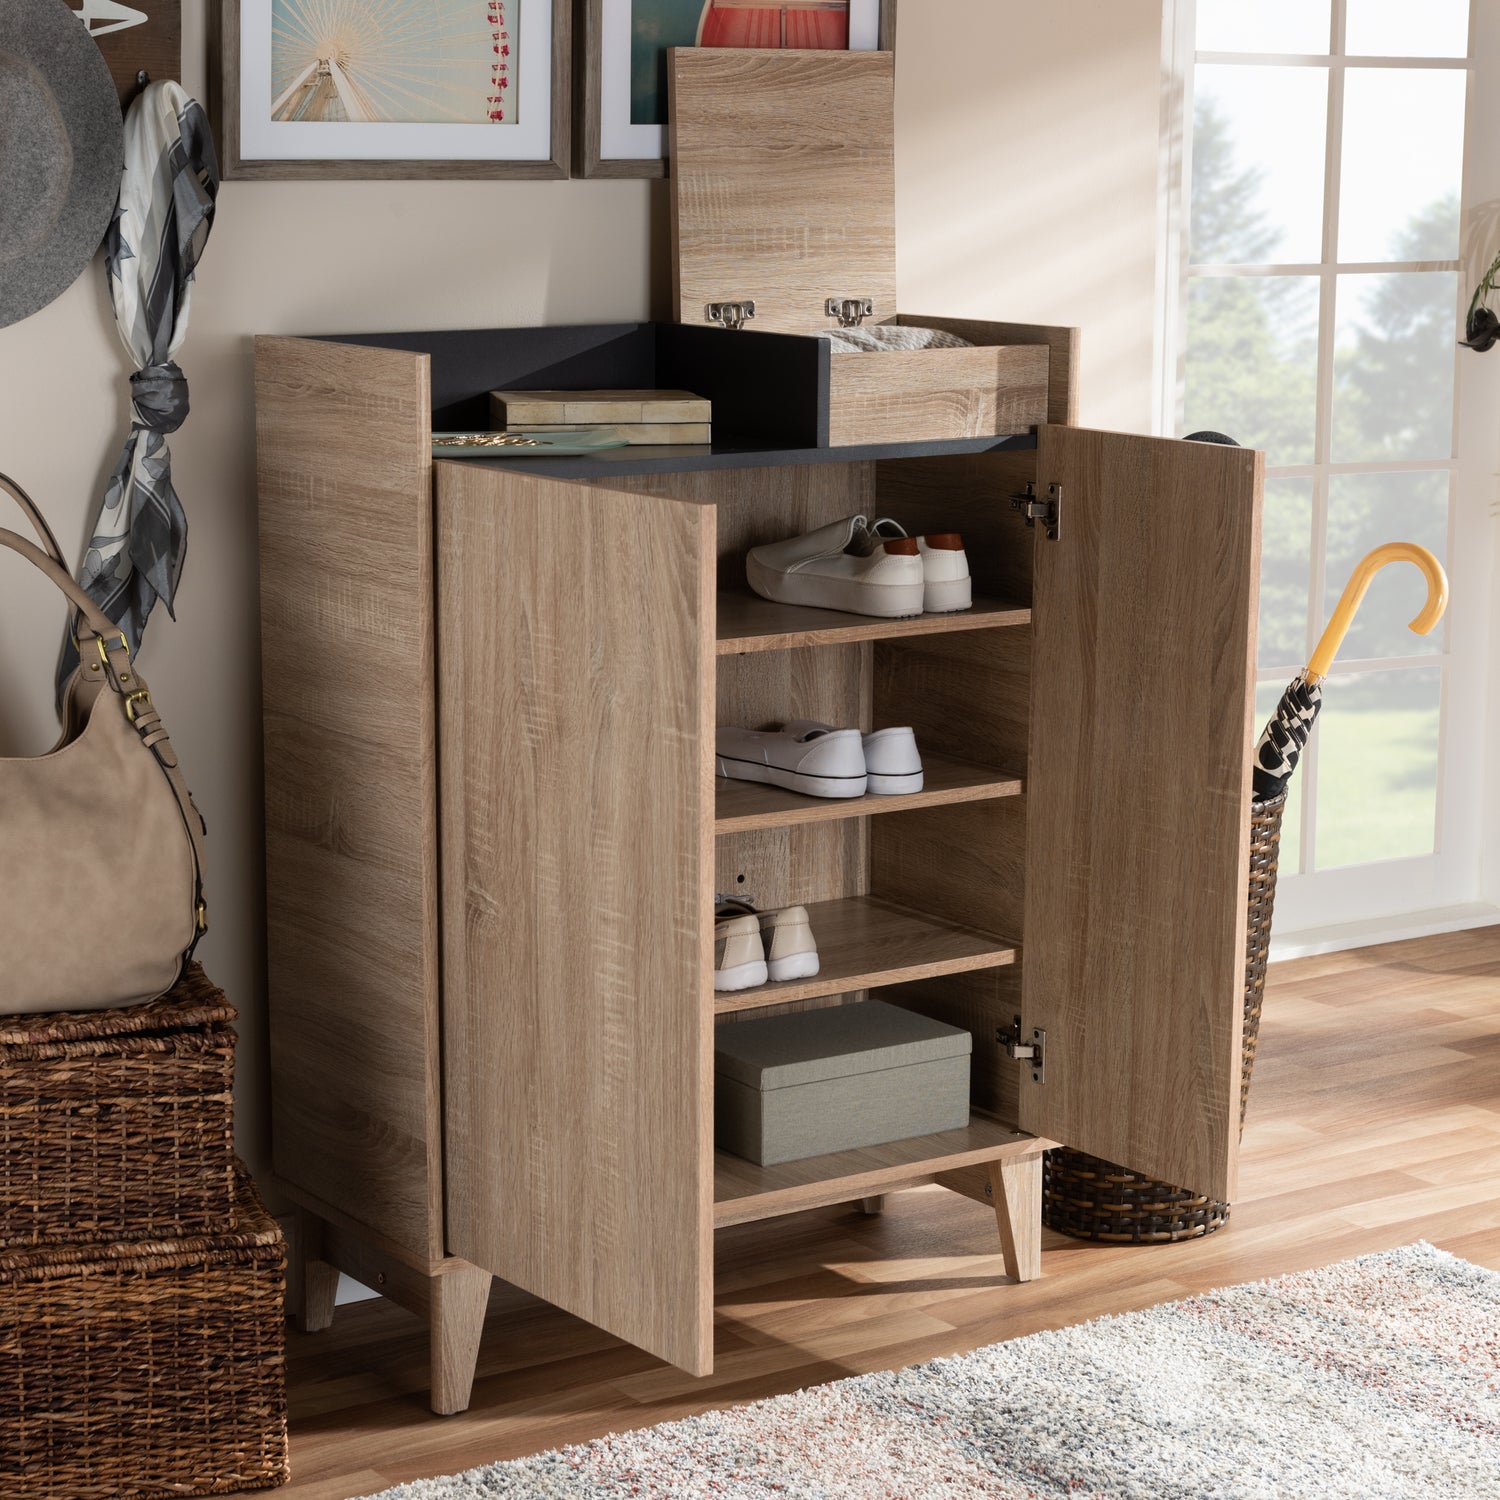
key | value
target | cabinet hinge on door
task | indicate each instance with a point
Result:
(1048, 511)
(731, 315)
(1033, 1052)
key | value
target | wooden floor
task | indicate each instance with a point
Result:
(1374, 1121)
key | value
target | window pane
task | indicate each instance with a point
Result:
(1263, 26)
(1399, 28)
(1365, 510)
(1285, 563)
(1377, 766)
(1252, 362)
(1289, 855)
(1257, 193)
(1395, 343)
(1403, 156)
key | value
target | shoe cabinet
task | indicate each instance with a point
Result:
(494, 834)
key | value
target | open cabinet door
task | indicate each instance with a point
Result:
(576, 697)
(1138, 830)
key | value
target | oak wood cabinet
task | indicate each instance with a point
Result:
(494, 834)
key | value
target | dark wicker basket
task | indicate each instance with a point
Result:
(1092, 1199)
(131, 1372)
(119, 1124)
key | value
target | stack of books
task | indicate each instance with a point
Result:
(647, 418)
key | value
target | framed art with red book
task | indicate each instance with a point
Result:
(622, 61)
(394, 88)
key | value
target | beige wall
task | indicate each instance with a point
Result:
(1027, 190)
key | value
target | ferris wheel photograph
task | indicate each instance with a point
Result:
(394, 61)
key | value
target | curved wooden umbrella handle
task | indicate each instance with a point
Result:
(1354, 593)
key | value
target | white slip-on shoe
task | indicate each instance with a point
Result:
(947, 587)
(893, 767)
(739, 953)
(842, 566)
(791, 950)
(814, 759)
(786, 935)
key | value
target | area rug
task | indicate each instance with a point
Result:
(1374, 1379)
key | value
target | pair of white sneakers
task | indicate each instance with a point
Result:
(865, 567)
(821, 761)
(752, 947)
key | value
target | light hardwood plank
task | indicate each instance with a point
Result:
(807, 210)
(740, 805)
(344, 445)
(1138, 800)
(577, 862)
(744, 1191)
(863, 942)
(749, 623)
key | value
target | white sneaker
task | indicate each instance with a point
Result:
(786, 935)
(947, 587)
(893, 767)
(739, 954)
(842, 566)
(813, 759)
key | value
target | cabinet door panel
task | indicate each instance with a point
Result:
(1139, 796)
(576, 698)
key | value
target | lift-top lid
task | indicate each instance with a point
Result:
(783, 183)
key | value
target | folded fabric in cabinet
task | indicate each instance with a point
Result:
(882, 336)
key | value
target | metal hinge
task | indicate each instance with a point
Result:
(1048, 511)
(850, 311)
(1032, 1053)
(730, 314)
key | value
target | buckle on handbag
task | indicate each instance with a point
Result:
(103, 650)
(203, 916)
(132, 700)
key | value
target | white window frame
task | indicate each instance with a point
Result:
(1459, 884)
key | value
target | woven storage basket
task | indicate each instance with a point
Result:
(131, 1372)
(1092, 1199)
(118, 1124)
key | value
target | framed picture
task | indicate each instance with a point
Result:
(394, 88)
(621, 130)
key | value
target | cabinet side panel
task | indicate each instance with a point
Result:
(1062, 380)
(1139, 792)
(344, 457)
(576, 699)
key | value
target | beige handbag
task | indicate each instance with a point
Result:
(101, 848)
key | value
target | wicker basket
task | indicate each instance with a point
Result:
(130, 1372)
(118, 1124)
(1092, 1199)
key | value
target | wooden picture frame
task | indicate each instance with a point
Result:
(544, 151)
(588, 133)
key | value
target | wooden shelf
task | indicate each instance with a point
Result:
(742, 805)
(744, 1191)
(864, 942)
(749, 623)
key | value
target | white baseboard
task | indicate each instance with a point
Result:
(1347, 935)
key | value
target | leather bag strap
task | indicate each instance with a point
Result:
(34, 515)
(97, 621)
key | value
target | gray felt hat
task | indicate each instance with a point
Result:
(62, 148)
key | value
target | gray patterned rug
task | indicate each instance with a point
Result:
(1375, 1379)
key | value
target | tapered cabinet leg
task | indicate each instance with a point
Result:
(312, 1284)
(873, 1205)
(459, 1300)
(1017, 1189)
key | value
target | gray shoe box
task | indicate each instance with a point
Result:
(788, 1087)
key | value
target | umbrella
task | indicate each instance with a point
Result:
(1281, 743)
(165, 212)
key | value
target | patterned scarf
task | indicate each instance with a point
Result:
(162, 223)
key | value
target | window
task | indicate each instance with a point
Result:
(1316, 315)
